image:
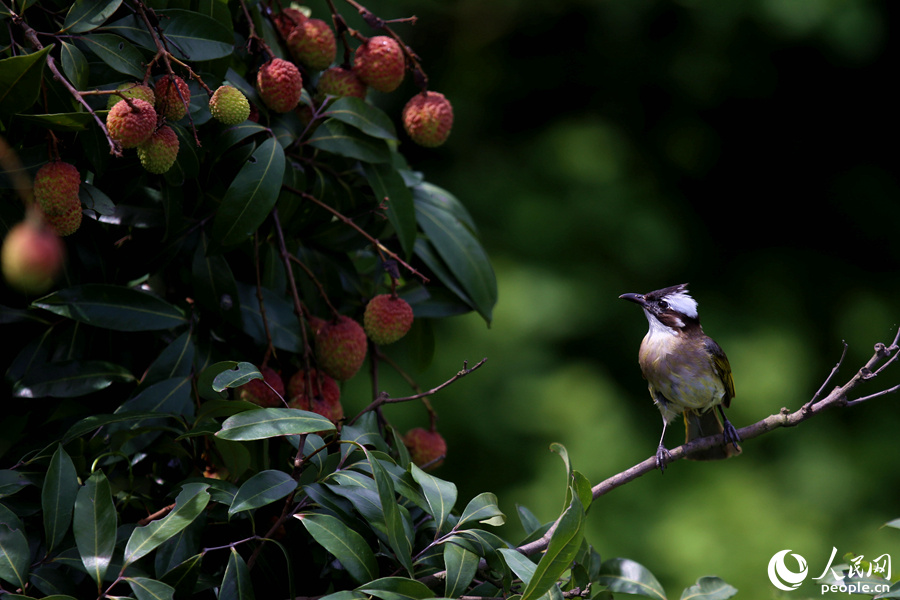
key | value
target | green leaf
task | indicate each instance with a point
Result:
(461, 251)
(362, 115)
(132, 28)
(94, 524)
(341, 139)
(20, 81)
(14, 556)
(86, 15)
(241, 374)
(196, 37)
(628, 577)
(284, 327)
(461, 565)
(188, 505)
(73, 121)
(251, 196)
(74, 66)
(389, 187)
(263, 488)
(397, 588)
(176, 360)
(400, 543)
(214, 284)
(439, 494)
(709, 588)
(116, 52)
(11, 482)
(208, 376)
(184, 576)
(89, 424)
(69, 379)
(58, 496)
(520, 564)
(482, 508)
(10, 518)
(236, 584)
(561, 551)
(262, 423)
(112, 307)
(150, 589)
(344, 543)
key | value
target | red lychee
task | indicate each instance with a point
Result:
(427, 118)
(380, 63)
(313, 44)
(340, 82)
(341, 347)
(427, 449)
(280, 85)
(387, 319)
(131, 126)
(158, 153)
(31, 257)
(257, 392)
(173, 96)
(56, 194)
(287, 20)
(326, 395)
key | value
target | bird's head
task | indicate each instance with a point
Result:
(671, 308)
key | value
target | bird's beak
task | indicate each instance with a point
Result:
(636, 298)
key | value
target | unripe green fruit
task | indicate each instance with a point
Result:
(31, 257)
(56, 195)
(132, 90)
(158, 153)
(229, 106)
(428, 118)
(279, 84)
(340, 347)
(387, 319)
(131, 126)
(169, 103)
(427, 449)
(313, 44)
(380, 63)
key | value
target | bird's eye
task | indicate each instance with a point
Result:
(663, 304)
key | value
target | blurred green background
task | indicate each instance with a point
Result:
(603, 147)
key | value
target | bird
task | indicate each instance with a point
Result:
(687, 372)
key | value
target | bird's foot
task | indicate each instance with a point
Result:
(662, 457)
(731, 435)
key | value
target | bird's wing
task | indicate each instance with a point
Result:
(722, 367)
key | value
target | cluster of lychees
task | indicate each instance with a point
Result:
(379, 63)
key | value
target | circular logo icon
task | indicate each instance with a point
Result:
(782, 577)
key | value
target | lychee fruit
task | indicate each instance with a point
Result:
(427, 449)
(340, 82)
(31, 257)
(326, 395)
(173, 96)
(380, 64)
(158, 153)
(313, 44)
(258, 393)
(427, 118)
(341, 347)
(280, 85)
(131, 126)
(132, 90)
(287, 20)
(387, 318)
(56, 194)
(229, 106)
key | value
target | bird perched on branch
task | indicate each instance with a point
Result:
(686, 370)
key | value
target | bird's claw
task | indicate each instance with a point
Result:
(662, 457)
(731, 435)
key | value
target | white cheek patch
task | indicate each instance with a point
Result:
(683, 303)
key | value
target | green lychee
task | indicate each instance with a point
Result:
(132, 90)
(387, 319)
(229, 106)
(313, 44)
(279, 84)
(428, 118)
(340, 347)
(173, 96)
(380, 64)
(131, 126)
(158, 153)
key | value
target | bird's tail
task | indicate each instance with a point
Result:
(699, 425)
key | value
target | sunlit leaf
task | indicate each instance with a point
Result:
(399, 541)
(264, 423)
(629, 577)
(518, 563)
(94, 524)
(397, 588)
(150, 589)
(344, 543)
(112, 307)
(482, 508)
(263, 488)
(58, 496)
(709, 588)
(241, 374)
(189, 503)
(440, 495)
(561, 551)
(461, 565)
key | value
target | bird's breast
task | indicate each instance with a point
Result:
(681, 370)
